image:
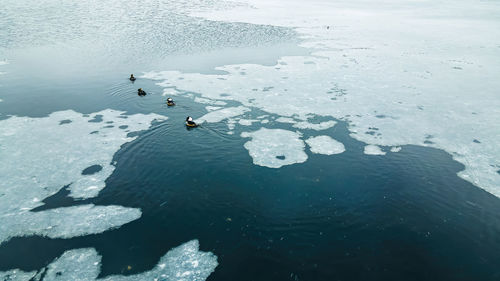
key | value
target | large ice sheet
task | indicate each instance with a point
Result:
(274, 148)
(183, 263)
(395, 66)
(42, 155)
(325, 145)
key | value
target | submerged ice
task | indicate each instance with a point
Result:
(397, 67)
(42, 155)
(183, 263)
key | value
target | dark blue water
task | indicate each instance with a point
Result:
(403, 216)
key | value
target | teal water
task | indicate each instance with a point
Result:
(404, 216)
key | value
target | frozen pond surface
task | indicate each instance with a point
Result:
(338, 140)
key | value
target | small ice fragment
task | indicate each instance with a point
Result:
(212, 108)
(396, 149)
(373, 150)
(269, 144)
(285, 120)
(247, 122)
(325, 145)
(219, 115)
(317, 127)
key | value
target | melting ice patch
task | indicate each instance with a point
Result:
(313, 126)
(183, 263)
(325, 145)
(396, 149)
(391, 65)
(274, 148)
(16, 275)
(41, 155)
(66, 222)
(373, 150)
(221, 114)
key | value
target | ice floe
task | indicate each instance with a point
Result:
(183, 263)
(247, 122)
(325, 145)
(209, 101)
(42, 155)
(221, 114)
(391, 65)
(274, 148)
(285, 120)
(373, 150)
(66, 222)
(396, 149)
(315, 126)
(16, 275)
(212, 108)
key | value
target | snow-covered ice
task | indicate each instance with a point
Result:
(325, 145)
(274, 148)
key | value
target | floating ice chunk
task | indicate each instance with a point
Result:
(325, 145)
(247, 122)
(209, 101)
(66, 222)
(396, 149)
(39, 157)
(3, 62)
(170, 92)
(212, 108)
(373, 150)
(80, 264)
(317, 127)
(285, 120)
(183, 263)
(16, 275)
(219, 115)
(274, 148)
(265, 121)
